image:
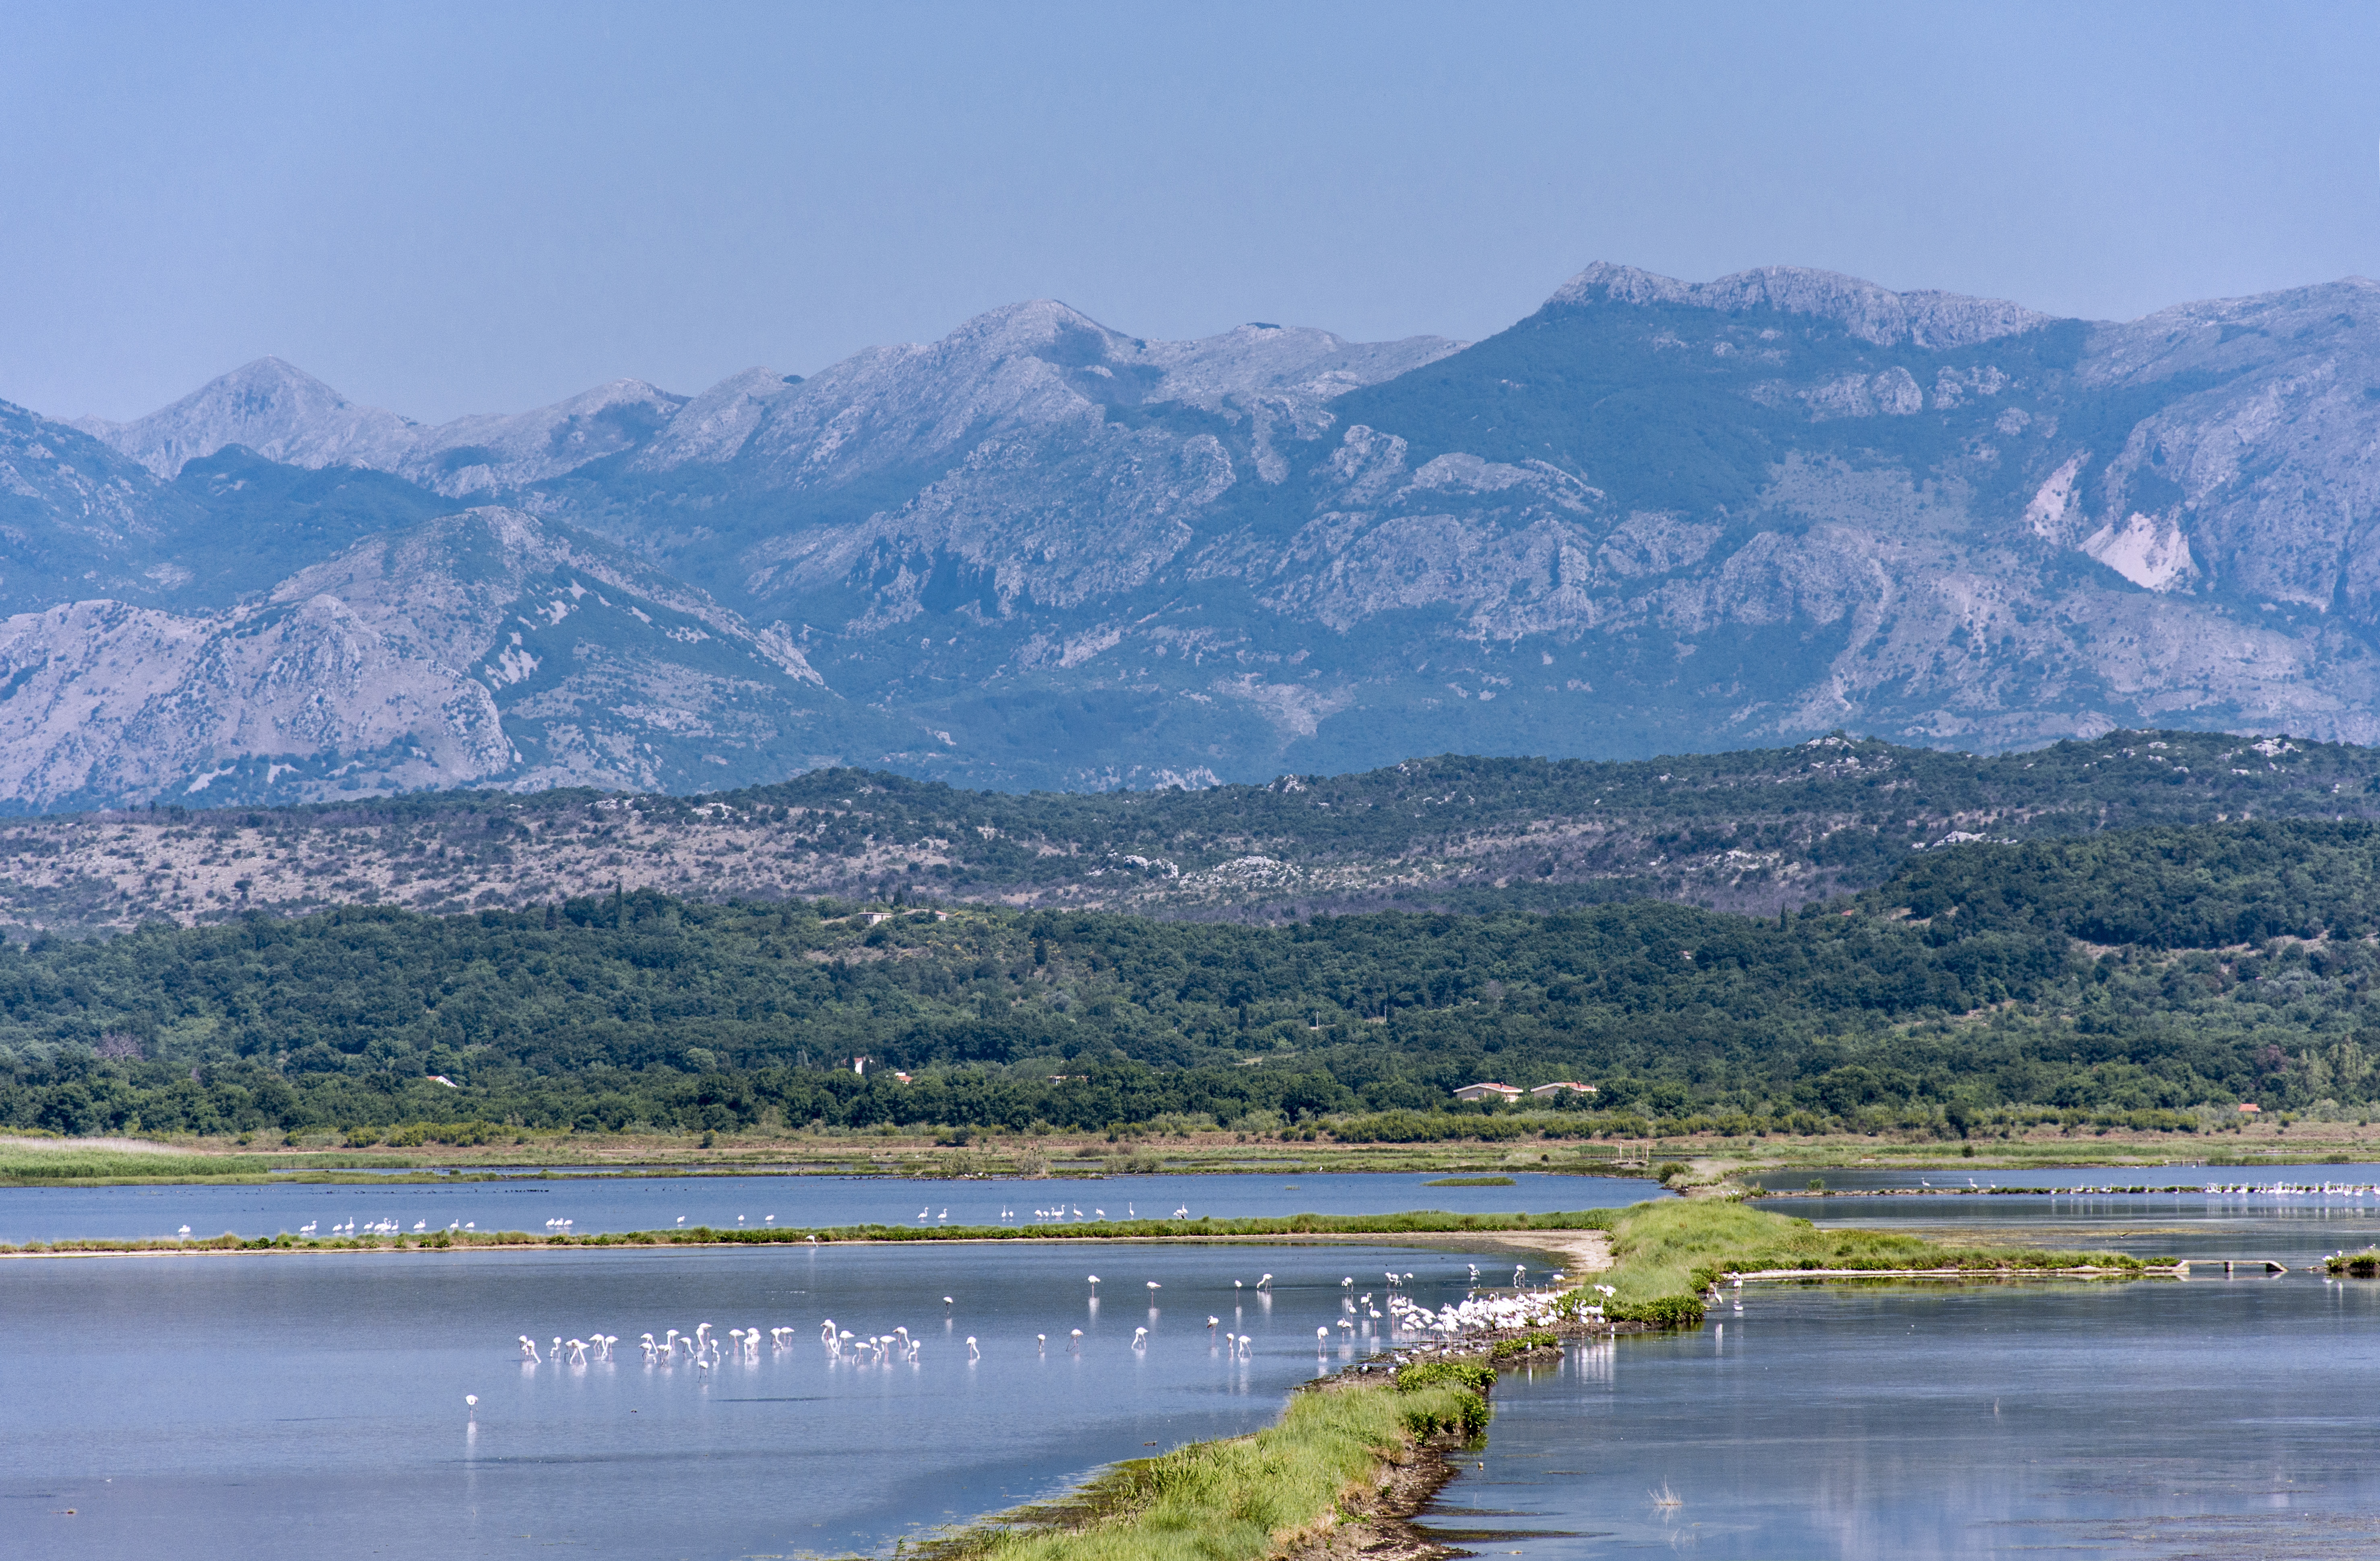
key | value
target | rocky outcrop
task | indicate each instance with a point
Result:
(1931, 320)
(483, 648)
(287, 415)
(1656, 515)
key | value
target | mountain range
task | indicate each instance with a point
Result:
(1653, 517)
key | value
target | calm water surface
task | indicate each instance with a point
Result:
(2206, 1417)
(1860, 1178)
(311, 1406)
(263, 1406)
(593, 1204)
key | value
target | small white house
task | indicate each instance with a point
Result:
(1544, 1091)
(1487, 1093)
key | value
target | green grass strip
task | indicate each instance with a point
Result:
(1667, 1252)
(1240, 1499)
(1424, 1221)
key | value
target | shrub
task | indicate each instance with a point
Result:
(1661, 1312)
(1468, 1374)
(1506, 1349)
(1464, 1415)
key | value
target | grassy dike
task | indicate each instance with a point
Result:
(1666, 1254)
(1357, 1453)
(1290, 1228)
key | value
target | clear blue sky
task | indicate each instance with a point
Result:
(451, 207)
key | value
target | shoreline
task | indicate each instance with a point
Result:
(1668, 1253)
(1371, 1518)
(1553, 1234)
(935, 1153)
(2138, 1190)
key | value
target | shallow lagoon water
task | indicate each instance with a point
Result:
(2210, 1417)
(1869, 1178)
(298, 1405)
(2288, 1219)
(595, 1204)
(2148, 1419)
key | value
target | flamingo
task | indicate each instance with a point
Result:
(1078, 1345)
(973, 1353)
(1139, 1339)
(528, 1350)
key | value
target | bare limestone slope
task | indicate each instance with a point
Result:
(484, 647)
(1654, 517)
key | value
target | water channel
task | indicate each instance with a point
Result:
(2212, 1417)
(304, 1404)
(310, 1405)
(596, 1203)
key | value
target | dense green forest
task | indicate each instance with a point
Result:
(2135, 975)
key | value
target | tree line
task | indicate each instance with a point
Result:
(2154, 970)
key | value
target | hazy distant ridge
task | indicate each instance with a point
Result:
(1654, 516)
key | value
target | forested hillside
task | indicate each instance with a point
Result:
(1757, 831)
(2217, 963)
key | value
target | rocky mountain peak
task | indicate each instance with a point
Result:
(713, 426)
(1034, 325)
(1926, 319)
(271, 406)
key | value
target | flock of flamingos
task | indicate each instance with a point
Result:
(1407, 1321)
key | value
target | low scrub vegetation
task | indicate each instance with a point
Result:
(1240, 1499)
(1668, 1254)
